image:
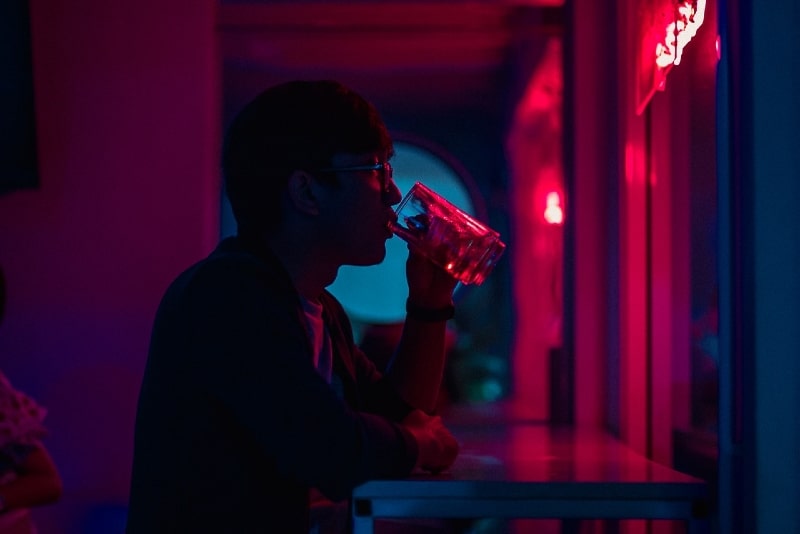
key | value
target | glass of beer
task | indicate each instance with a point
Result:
(448, 236)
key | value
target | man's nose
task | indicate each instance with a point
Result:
(392, 195)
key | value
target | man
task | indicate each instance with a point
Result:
(255, 399)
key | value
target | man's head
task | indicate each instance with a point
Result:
(299, 125)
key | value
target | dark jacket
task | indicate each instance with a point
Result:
(234, 424)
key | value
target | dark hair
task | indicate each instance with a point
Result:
(298, 125)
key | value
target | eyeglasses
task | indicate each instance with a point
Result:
(385, 176)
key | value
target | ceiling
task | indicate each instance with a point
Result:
(427, 52)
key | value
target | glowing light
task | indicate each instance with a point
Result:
(553, 213)
(718, 47)
(681, 27)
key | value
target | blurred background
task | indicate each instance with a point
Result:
(635, 194)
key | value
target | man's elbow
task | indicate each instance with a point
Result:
(338, 490)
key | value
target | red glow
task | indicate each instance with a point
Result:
(718, 47)
(553, 213)
(535, 158)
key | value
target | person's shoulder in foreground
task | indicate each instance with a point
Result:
(28, 475)
(255, 396)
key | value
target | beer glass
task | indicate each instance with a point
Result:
(447, 235)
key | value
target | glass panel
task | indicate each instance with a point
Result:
(695, 419)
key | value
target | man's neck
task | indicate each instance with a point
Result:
(308, 267)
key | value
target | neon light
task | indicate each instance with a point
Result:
(686, 19)
(553, 213)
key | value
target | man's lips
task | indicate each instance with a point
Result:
(391, 224)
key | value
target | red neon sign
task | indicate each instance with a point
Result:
(667, 27)
(687, 17)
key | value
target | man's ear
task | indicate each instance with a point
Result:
(301, 192)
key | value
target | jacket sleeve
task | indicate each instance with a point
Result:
(253, 357)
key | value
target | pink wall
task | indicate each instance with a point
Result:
(593, 137)
(127, 104)
(535, 152)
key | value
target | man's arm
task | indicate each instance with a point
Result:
(250, 354)
(418, 365)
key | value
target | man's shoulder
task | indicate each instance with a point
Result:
(231, 257)
(228, 269)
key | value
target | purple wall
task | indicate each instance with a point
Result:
(127, 117)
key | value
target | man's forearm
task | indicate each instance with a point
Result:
(418, 365)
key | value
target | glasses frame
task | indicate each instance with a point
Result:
(385, 176)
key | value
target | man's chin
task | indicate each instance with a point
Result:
(368, 260)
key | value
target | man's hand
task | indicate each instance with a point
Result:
(429, 286)
(437, 446)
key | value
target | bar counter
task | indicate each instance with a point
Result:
(510, 466)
